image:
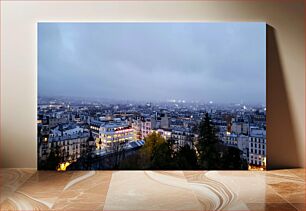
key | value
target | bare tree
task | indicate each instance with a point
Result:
(118, 151)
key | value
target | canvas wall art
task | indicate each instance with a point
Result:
(151, 96)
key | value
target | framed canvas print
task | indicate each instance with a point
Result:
(151, 96)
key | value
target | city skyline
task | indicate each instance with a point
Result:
(100, 100)
(218, 62)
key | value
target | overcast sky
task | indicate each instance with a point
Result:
(219, 62)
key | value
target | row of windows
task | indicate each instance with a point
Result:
(231, 142)
(61, 143)
(116, 135)
(231, 139)
(75, 146)
(116, 139)
(65, 151)
(114, 129)
(178, 137)
(261, 152)
(259, 140)
(262, 145)
(94, 128)
(256, 157)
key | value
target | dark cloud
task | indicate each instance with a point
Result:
(223, 62)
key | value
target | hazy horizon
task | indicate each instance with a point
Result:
(110, 100)
(219, 62)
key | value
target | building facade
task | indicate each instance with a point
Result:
(181, 137)
(257, 148)
(145, 128)
(67, 148)
(114, 132)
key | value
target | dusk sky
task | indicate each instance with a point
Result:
(219, 62)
